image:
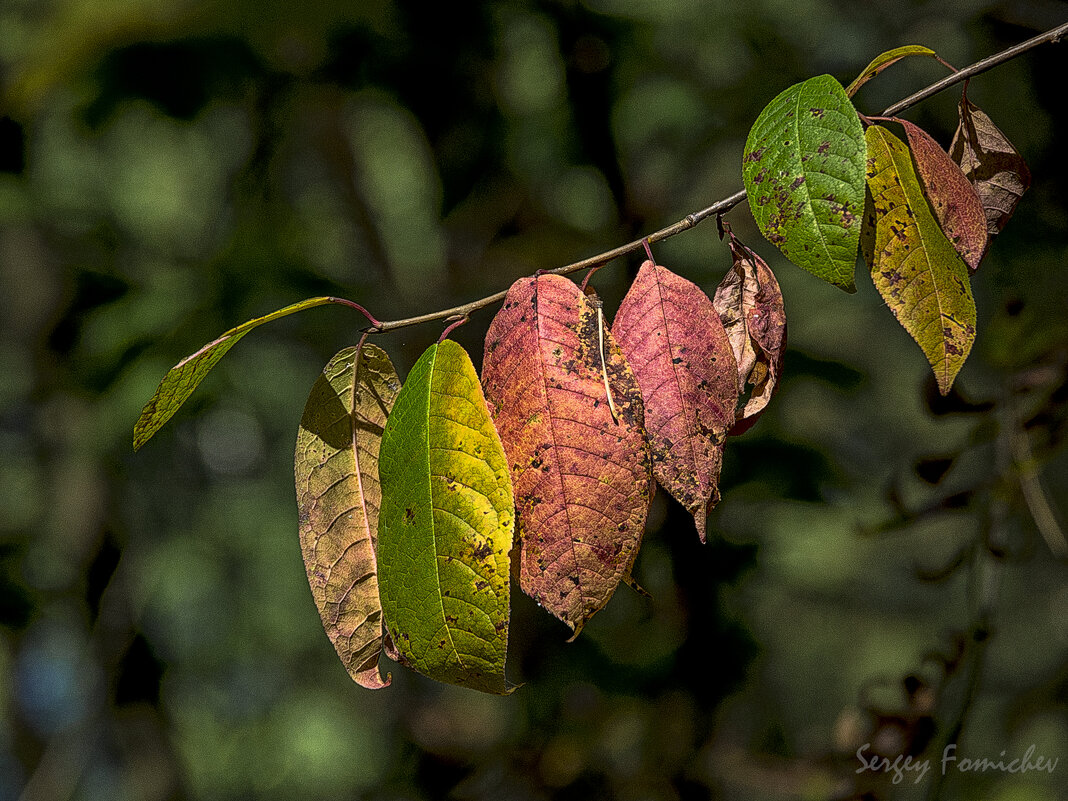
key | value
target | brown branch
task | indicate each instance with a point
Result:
(728, 203)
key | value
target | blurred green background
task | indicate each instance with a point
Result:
(170, 168)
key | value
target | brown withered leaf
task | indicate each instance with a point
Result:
(580, 466)
(994, 167)
(338, 498)
(750, 305)
(675, 342)
(952, 197)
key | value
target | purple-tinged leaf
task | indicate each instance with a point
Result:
(674, 341)
(953, 199)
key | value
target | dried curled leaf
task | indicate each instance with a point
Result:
(338, 498)
(445, 530)
(674, 341)
(581, 473)
(989, 160)
(953, 199)
(916, 269)
(750, 304)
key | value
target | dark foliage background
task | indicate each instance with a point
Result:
(169, 168)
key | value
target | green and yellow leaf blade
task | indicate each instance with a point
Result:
(182, 379)
(916, 269)
(446, 525)
(884, 60)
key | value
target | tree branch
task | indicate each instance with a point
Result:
(728, 203)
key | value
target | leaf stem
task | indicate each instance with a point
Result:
(374, 321)
(721, 206)
(448, 329)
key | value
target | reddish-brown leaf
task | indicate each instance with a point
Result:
(750, 305)
(952, 197)
(675, 342)
(580, 467)
(994, 167)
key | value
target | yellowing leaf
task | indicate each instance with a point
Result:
(916, 269)
(338, 498)
(445, 530)
(580, 465)
(185, 376)
(884, 60)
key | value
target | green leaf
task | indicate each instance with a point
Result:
(338, 497)
(915, 267)
(445, 530)
(804, 175)
(884, 60)
(184, 377)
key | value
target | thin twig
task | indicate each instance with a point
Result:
(1038, 503)
(728, 203)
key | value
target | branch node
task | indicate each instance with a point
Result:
(458, 320)
(648, 250)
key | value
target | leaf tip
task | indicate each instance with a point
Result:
(372, 679)
(700, 519)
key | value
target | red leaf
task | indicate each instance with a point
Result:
(994, 167)
(954, 201)
(581, 472)
(675, 342)
(750, 305)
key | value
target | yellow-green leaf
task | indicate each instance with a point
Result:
(184, 377)
(884, 60)
(338, 497)
(445, 530)
(914, 266)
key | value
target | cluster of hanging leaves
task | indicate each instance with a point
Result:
(822, 181)
(418, 500)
